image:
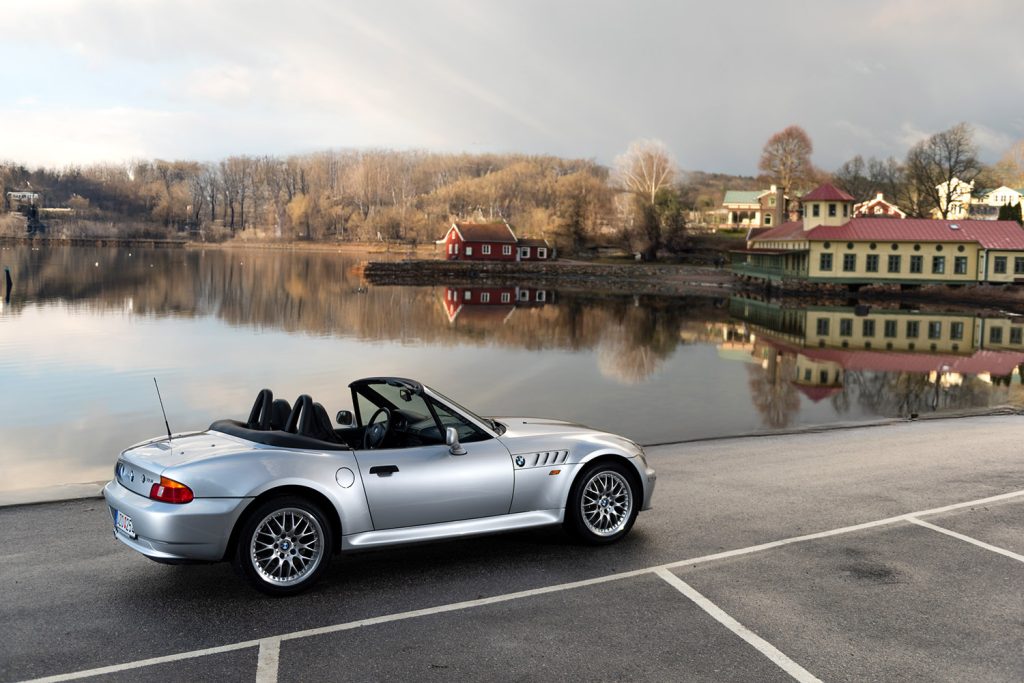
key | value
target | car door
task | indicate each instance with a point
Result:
(428, 484)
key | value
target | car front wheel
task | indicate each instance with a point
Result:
(602, 504)
(284, 546)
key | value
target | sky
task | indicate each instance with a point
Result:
(111, 80)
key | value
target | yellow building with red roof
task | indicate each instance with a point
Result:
(830, 245)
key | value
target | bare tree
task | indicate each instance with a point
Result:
(645, 168)
(1010, 168)
(786, 158)
(932, 165)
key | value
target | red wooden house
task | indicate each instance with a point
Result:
(480, 242)
(491, 242)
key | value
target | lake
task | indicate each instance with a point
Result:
(84, 330)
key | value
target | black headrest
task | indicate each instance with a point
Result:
(279, 412)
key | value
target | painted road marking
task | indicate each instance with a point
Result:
(974, 541)
(440, 609)
(267, 661)
(760, 644)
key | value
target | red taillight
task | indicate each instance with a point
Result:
(170, 491)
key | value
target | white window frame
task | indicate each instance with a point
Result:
(507, 250)
(524, 252)
(485, 250)
(505, 297)
(469, 251)
(467, 295)
(542, 252)
(541, 295)
(524, 295)
(485, 298)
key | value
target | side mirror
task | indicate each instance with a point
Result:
(344, 418)
(451, 437)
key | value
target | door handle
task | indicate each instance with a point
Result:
(383, 470)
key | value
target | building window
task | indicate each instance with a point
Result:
(485, 249)
(807, 375)
(894, 263)
(999, 265)
(823, 376)
(1018, 265)
(542, 252)
(913, 329)
(960, 265)
(469, 251)
(832, 210)
(815, 210)
(823, 326)
(767, 219)
(467, 295)
(868, 327)
(890, 329)
(916, 264)
(846, 210)
(524, 295)
(485, 298)
(541, 295)
(524, 252)
(871, 263)
(456, 245)
(846, 327)
(849, 263)
(935, 329)
(938, 264)
(1015, 335)
(995, 335)
(826, 261)
(507, 250)
(956, 330)
(505, 297)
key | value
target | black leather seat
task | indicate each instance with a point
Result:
(279, 411)
(311, 420)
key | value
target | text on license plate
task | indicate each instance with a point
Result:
(124, 523)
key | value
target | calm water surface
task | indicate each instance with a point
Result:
(84, 330)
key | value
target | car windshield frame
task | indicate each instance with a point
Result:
(493, 427)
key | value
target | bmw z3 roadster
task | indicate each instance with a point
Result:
(279, 494)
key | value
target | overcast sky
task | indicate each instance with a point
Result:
(109, 80)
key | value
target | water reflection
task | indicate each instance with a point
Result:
(86, 329)
(886, 361)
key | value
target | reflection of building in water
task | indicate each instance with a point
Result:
(491, 303)
(827, 343)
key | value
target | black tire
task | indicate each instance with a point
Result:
(286, 528)
(597, 528)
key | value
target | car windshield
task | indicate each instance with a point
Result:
(496, 426)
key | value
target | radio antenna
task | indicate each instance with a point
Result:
(162, 408)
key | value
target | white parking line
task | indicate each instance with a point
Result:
(760, 644)
(974, 541)
(267, 661)
(440, 609)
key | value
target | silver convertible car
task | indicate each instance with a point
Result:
(282, 492)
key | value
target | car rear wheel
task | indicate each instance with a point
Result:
(284, 546)
(602, 504)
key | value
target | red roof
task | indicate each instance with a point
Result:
(989, 234)
(817, 394)
(994, 362)
(485, 232)
(827, 193)
(786, 231)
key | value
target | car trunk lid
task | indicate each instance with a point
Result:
(140, 466)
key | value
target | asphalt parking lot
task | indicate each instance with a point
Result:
(883, 553)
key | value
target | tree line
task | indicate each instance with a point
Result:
(643, 202)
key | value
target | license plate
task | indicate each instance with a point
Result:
(123, 523)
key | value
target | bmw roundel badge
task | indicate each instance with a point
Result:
(520, 461)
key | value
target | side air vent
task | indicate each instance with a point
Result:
(549, 458)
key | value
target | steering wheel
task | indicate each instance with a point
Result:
(375, 434)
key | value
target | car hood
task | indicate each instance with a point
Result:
(533, 434)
